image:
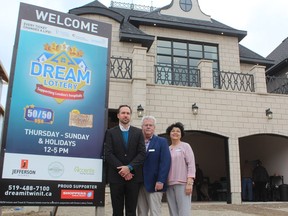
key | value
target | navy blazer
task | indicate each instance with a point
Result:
(157, 163)
(116, 154)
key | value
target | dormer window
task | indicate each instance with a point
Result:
(185, 5)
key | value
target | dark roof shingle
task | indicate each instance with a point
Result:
(131, 20)
(280, 57)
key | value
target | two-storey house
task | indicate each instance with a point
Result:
(175, 59)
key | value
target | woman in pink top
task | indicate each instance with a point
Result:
(182, 173)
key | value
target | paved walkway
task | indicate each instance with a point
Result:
(198, 209)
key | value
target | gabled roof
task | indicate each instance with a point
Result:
(214, 27)
(248, 56)
(154, 18)
(129, 33)
(280, 57)
(96, 7)
(138, 18)
(130, 21)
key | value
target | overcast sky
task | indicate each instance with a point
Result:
(264, 20)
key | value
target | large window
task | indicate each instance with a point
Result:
(180, 59)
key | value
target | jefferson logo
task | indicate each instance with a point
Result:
(24, 164)
(23, 171)
(77, 194)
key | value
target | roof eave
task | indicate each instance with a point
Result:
(257, 61)
(277, 67)
(136, 21)
(145, 40)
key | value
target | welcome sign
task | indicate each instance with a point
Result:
(56, 110)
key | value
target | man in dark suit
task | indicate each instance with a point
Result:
(124, 155)
(155, 170)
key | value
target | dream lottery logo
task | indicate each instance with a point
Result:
(61, 72)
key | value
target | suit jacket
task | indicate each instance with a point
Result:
(157, 163)
(116, 154)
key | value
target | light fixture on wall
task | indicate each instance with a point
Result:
(140, 111)
(269, 113)
(194, 109)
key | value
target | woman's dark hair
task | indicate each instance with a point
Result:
(118, 110)
(176, 125)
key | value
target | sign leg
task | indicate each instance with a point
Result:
(53, 213)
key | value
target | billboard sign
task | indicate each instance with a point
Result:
(52, 145)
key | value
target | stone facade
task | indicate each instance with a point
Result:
(229, 114)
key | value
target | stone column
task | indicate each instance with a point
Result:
(235, 172)
(139, 79)
(259, 79)
(206, 74)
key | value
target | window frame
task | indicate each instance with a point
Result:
(200, 48)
